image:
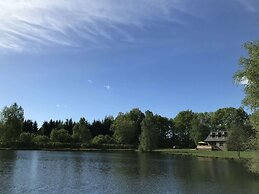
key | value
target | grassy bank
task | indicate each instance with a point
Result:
(120, 147)
(208, 153)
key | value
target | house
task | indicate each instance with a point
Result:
(217, 140)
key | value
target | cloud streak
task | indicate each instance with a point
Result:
(32, 25)
(61, 106)
(26, 25)
(107, 87)
(250, 5)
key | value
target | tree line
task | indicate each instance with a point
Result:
(146, 131)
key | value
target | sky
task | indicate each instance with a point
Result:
(86, 58)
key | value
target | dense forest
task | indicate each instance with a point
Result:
(133, 129)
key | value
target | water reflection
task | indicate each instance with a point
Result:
(7, 159)
(102, 172)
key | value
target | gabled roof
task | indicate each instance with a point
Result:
(215, 139)
(217, 136)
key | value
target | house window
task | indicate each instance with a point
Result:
(221, 144)
(219, 134)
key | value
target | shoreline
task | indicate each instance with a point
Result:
(70, 149)
(244, 155)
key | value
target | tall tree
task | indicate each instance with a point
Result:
(165, 131)
(136, 116)
(248, 75)
(29, 126)
(68, 125)
(149, 133)
(12, 119)
(81, 132)
(45, 129)
(200, 127)
(35, 127)
(239, 137)
(97, 128)
(60, 135)
(124, 129)
(183, 126)
(224, 118)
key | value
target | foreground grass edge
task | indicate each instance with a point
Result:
(208, 153)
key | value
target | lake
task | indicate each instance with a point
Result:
(118, 172)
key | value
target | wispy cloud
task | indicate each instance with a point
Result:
(250, 5)
(28, 25)
(32, 25)
(107, 87)
(61, 106)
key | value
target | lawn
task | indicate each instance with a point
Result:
(208, 153)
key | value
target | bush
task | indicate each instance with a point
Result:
(103, 139)
(40, 139)
(25, 139)
(107, 146)
(61, 136)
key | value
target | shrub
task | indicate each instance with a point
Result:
(25, 139)
(103, 139)
(40, 139)
(61, 136)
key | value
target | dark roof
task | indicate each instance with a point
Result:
(218, 136)
(215, 139)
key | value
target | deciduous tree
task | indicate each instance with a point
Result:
(12, 119)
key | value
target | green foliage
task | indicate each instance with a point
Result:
(136, 116)
(47, 127)
(76, 133)
(25, 139)
(127, 127)
(12, 119)
(249, 72)
(108, 146)
(103, 139)
(183, 126)
(165, 131)
(200, 129)
(237, 139)
(149, 135)
(224, 118)
(61, 136)
(124, 129)
(156, 131)
(40, 139)
(102, 127)
(85, 135)
(30, 126)
(81, 132)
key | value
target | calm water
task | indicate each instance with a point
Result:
(97, 172)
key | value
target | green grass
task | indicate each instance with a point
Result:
(208, 153)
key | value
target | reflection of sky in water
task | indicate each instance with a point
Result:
(100, 172)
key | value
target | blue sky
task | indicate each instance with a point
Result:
(67, 59)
